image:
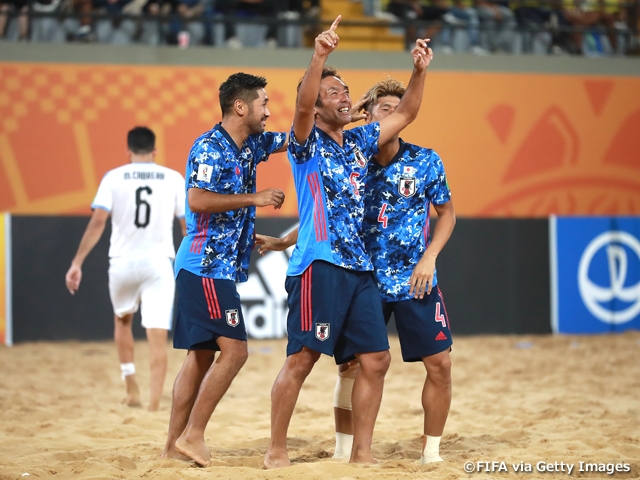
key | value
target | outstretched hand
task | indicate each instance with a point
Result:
(422, 54)
(266, 243)
(328, 40)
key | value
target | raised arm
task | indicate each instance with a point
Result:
(204, 201)
(303, 119)
(90, 238)
(409, 106)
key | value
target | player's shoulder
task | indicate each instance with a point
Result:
(414, 151)
(361, 130)
(121, 168)
(362, 135)
(417, 148)
(209, 139)
(266, 137)
(116, 173)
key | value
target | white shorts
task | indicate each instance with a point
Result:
(143, 280)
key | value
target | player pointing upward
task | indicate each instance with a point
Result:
(328, 164)
(402, 182)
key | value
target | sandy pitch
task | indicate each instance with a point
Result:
(516, 399)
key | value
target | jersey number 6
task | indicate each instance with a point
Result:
(142, 205)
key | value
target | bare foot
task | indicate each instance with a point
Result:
(132, 401)
(367, 459)
(198, 451)
(133, 392)
(172, 453)
(275, 460)
(154, 406)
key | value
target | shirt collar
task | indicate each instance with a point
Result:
(225, 134)
(347, 143)
(396, 157)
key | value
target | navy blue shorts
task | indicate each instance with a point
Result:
(335, 311)
(423, 325)
(207, 308)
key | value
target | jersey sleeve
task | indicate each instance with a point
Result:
(437, 187)
(104, 197)
(268, 143)
(180, 196)
(302, 153)
(204, 166)
(366, 137)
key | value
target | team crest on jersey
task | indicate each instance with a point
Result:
(407, 186)
(204, 172)
(322, 331)
(232, 317)
(360, 160)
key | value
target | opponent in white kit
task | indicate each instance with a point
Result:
(142, 199)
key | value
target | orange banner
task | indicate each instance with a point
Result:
(514, 145)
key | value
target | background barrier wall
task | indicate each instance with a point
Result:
(5, 279)
(494, 276)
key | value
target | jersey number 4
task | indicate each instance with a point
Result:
(439, 316)
(142, 208)
(382, 218)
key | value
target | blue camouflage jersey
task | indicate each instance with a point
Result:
(218, 245)
(396, 220)
(329, 185)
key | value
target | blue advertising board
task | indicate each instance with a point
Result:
(595, 274)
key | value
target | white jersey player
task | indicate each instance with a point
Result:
(142, 198)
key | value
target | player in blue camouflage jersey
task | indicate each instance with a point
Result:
(220, 216)
(334, 304)
(402, 182)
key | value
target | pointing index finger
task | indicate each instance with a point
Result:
(335, 23)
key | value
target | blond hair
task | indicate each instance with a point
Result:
(388, 87)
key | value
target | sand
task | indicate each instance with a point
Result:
(516, 399)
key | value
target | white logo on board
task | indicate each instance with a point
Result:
(596, 297)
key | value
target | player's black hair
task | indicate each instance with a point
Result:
(141, 140)
(326, 72)
(239, 86)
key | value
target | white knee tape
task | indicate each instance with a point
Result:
(127, 369)
(344, 387)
